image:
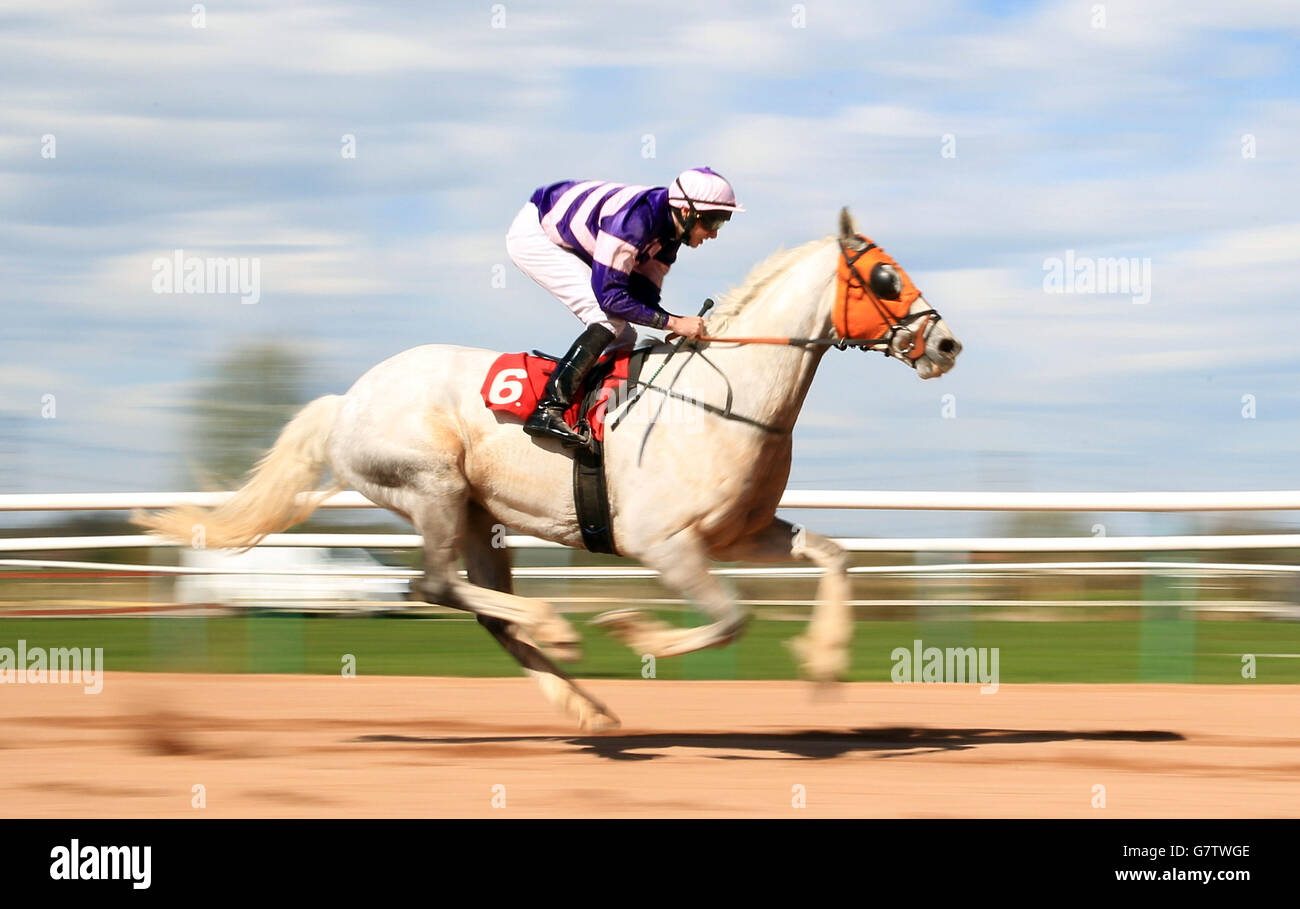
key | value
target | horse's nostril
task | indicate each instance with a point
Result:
(949, 346)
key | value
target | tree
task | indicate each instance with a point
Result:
(240, 410)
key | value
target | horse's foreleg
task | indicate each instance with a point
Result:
(489, 567)
(822, 650)
(683, 564)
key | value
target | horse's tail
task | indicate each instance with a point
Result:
(269, 501)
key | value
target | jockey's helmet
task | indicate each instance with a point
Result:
(704, 190)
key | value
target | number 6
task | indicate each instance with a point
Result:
(506, 387)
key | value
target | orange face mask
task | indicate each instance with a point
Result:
(873, 297)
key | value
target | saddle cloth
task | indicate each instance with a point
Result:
(515, 382)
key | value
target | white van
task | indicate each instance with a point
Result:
(301, 592)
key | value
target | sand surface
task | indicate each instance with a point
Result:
(313, 746)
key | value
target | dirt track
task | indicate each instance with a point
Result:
(295, 746)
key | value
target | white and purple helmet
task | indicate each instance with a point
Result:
(703, 190)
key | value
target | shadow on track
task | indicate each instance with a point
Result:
(809, 744)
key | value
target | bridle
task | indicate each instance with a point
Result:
(900, 339)
(887, 283)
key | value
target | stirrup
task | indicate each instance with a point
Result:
(547, 424)
(586, 438)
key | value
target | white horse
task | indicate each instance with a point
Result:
(413, 435)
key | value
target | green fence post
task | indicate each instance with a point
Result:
(275, 643)
(1166, 635)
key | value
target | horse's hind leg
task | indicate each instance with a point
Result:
(489, 567)
(443, 522)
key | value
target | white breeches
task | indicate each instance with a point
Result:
(566, 276)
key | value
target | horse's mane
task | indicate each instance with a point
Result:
(759, 277)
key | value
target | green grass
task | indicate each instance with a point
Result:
(1028, 651)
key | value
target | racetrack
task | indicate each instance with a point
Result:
(308, 746)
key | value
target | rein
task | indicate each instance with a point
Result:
(837, 343)
(725, 413)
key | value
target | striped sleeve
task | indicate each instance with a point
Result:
(624, 289)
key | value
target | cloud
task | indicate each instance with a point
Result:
(1120, 141)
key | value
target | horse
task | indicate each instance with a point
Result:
(413, 435)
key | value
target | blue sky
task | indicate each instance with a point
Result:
(1119, 140)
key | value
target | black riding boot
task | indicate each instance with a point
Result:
(565, 382)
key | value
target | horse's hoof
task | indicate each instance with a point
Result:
(615, 617)
(600, 722)
(559, 640)
(564, 653)
(823, 665)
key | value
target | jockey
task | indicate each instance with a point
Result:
(603, 249)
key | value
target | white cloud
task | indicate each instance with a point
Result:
(225, 141)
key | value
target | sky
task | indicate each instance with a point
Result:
(976, 142)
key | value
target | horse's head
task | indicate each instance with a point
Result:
(876, 301)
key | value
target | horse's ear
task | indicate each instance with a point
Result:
(848, 229)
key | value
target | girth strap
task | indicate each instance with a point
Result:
(590, 488)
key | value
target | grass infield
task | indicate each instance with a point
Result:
(1154, 651)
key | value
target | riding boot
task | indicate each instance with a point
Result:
(564, 384)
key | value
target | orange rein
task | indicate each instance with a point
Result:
(736, 340)
(859, 316)
(791, 342)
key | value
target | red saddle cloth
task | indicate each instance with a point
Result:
(515, 382)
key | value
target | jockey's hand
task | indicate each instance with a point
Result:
(686, 326)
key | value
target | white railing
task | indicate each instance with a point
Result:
(1262, 500)
(1167, 543)
(1285, 500)
(591, 572)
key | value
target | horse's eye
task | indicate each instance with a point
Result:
(886, 283)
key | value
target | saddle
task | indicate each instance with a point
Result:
(515, 382)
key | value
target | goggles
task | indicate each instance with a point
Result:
(712, 220)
